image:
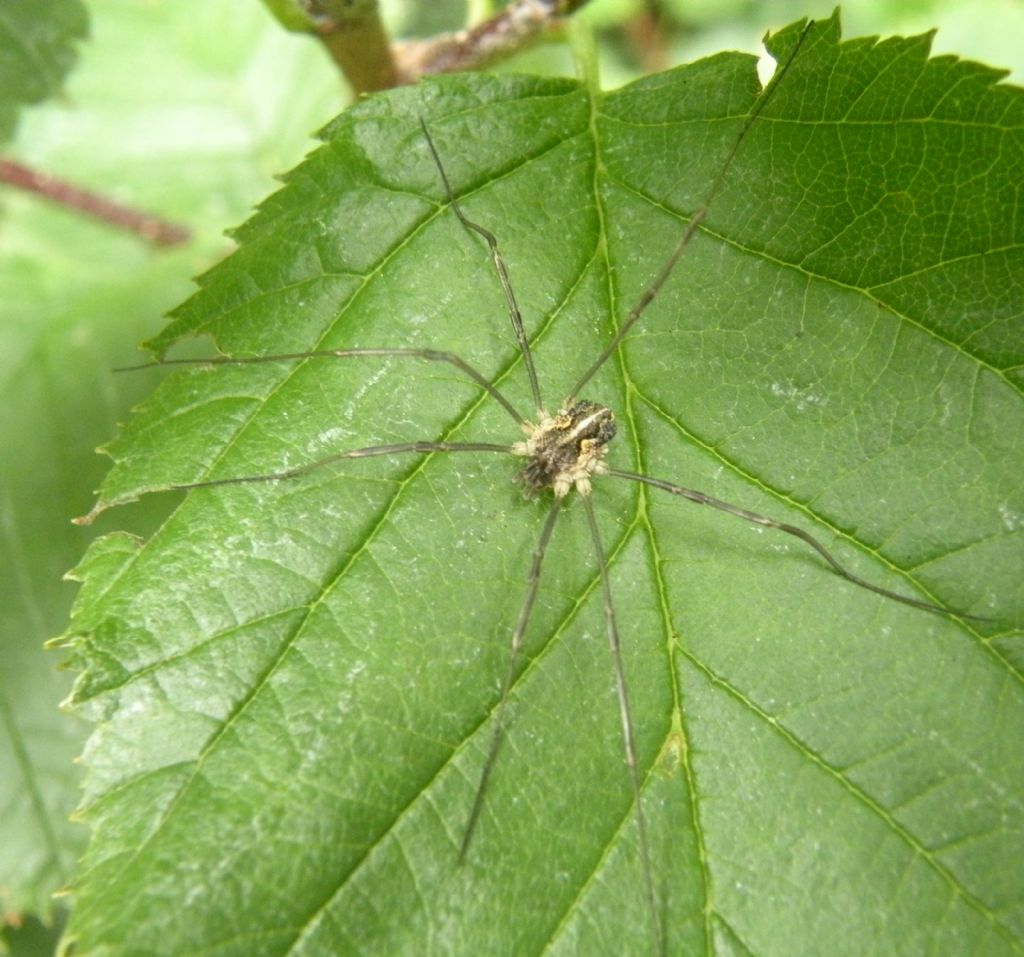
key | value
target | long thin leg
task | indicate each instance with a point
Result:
(510, 672)
(514, 314)
(626, 716)
(367, 452)
(666, 270)
(702, 499)
(431, 355)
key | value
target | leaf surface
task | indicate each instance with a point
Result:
(295, 682)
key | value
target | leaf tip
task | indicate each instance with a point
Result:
(89, 517)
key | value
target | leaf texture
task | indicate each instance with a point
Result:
(294, 683)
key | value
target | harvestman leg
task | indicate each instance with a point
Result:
(430, 355)
(365, 453)
(518, 634)
(701, 498)
(626, 717)
(514, 315)
(647, 297)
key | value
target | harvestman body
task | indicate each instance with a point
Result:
(563, 452)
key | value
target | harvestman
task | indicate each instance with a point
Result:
(562, 451)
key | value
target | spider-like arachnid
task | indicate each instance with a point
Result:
(564, 454)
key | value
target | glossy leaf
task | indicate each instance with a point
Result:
(294, 682)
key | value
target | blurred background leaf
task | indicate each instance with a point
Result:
(39, 41)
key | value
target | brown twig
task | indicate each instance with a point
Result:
(149, 227)
(354, 36)
(521, 23)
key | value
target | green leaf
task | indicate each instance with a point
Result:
(294, 683)
(37, 50)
